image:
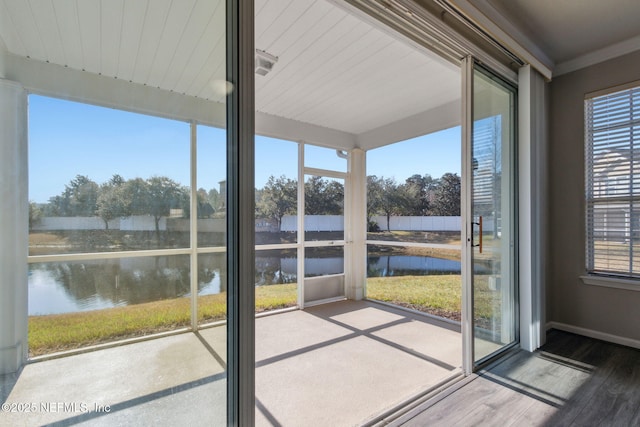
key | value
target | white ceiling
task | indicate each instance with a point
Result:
(337, 71)
(334, 70)
(566, 30)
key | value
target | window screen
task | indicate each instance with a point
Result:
(613, 183)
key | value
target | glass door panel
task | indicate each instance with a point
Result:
(494, 286)
(128, 182)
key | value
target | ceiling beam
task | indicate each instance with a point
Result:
(81, 86)
(293, 130)
(443, 117)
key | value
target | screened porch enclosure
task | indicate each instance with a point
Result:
(125, 107)
(342, 363)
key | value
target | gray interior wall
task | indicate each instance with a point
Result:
(569, 301)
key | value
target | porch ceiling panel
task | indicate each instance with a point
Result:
(334, 70)
(337, 71)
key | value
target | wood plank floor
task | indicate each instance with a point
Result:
(571, 381)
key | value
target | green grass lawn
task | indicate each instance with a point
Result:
(439, 295)
(58, 332)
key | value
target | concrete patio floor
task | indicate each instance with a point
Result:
(335, 364)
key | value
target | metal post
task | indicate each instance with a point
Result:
(193, 227)
(466, 207)
(240, 214)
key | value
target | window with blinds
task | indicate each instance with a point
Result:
(613, 183)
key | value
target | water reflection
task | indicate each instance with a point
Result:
(276, 270)
(65, 287)
(406, 265)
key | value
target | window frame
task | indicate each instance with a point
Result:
(610, 192)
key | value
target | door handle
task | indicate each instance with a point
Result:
(479, 224)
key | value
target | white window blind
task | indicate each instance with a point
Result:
(613, 183)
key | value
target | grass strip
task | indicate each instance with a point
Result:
(440, 295)
(58, 332)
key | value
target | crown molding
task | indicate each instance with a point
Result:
(487, 17)
(494, 14)
(598, 56)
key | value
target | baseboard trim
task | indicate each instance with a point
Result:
(616, 339)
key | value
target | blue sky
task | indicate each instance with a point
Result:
(434, 154)
(68, 139)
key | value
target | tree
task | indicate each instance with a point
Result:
(323, 197)
(214, 199)
(374, 199)
(164, 194)
(389, 205)
(205, 210)
(278, 198)
(84, 196)
(35, 214)
(112, 200)
(116, 180)
(79, 198)
(386, 197)
(136, 195)
(447, 196)
(420, 190)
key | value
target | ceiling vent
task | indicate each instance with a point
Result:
(264, 62)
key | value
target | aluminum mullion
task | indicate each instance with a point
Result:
(106, 255)
(212, 250)
(325, 172)
(240, 66)
(300, 226)
(411, 244)
(466, 214)
(276, 246)
(324, 243)
(193, 226)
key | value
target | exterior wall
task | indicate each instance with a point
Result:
(607, 312)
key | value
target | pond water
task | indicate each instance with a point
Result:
(90, 285)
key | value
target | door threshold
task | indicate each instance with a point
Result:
(417, 403)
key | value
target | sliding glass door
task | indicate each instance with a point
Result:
(490, 214)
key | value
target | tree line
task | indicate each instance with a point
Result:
(418, 195)
(155, 196)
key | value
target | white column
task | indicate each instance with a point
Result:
(14, 234)
(356, 226)
(532, 140)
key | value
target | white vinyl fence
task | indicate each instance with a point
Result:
(396, 223)
(289, 223)
(130, 223)
(418, 223)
